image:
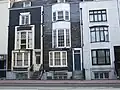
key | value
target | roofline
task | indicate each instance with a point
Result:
(25, 7)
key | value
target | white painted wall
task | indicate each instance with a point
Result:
(3, 26)
(114, 35)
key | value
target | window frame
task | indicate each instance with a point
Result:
(18, 38)
(27, 4)
(64, 16)
(55, 37)
(53, 59)
(24, 15)
(96, 13)
(14, 58)
(103, 73)
(95, 31)
(105, 56)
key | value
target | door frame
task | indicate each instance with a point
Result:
(74, 59)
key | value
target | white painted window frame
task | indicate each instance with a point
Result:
(99, 74)
(22, 58)
(24, 14)
(53, 52)
(26, 4)
(64, 39)
(64, 16)
(32, 30)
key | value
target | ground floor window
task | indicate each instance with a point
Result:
(20, 58)
(100, 56)
(101, 75)
(58, 59)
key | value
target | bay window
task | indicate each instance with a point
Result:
(61, 38)
(61, 16)
(24, 39)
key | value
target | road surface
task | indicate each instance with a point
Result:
(59, 85)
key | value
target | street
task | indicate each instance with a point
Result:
(59, 85)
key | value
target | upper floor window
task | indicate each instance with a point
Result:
(100, 57)
(24, 18)
(24, 39)
(58, 59)
(99, 34)
(61, 1)
(61, 38)
(26, 4)
(98, 15)
(61, 15)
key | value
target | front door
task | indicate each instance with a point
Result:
(77, 60)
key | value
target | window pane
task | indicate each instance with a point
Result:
(106, 74)
(19, 59)
(54, 16)
(101, 75)
(94, 60)
(60, 15)
(67, 37)
(23, 35)
(102, 35)
(91, 18)
(60, 38)
(25, 59)
(64, 58)
(104, 17)
(23, 19)
(54, 38)
(66, 15)
(99, 17)
(93, 53)
(107, 56)
(93, 37)
(97, 36)
(57, 58)
(27, 19)
(29, 35)
(95, 17)
(29, 43)
(101, 53)
(96, 76)
(51, 58)
(106, 35)
(14, 61)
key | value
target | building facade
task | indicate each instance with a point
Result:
(4, 17)
(101, 39)
(63, 39)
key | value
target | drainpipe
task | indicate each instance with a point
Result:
(118, 11)
(82, 43)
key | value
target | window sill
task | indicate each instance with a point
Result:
(97, 21)
(100, 42)
(60, 21)
(99, 64)
(58, 66)
(21, 66)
